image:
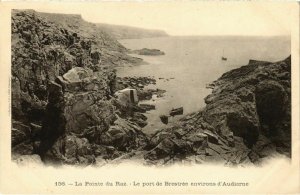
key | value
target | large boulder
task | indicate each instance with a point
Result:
(70, 149)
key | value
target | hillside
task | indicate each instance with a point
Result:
(128, 32)
(116, 31)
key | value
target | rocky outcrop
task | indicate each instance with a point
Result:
(247, 118)
(63, 78)
(81, 122)
(42, 50)
(139, 83)
(148, 52)
(104, 43)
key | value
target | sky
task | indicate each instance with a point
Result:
(189, 17)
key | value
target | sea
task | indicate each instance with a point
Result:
(192, 62)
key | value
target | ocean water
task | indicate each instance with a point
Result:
(190, 63)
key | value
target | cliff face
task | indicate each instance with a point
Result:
(62, 81)
(247, 118)
(42, 50)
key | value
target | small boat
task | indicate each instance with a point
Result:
(176, 111)
(223, 58)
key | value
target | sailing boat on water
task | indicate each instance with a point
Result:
(224, 58)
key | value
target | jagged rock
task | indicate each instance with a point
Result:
(99, 150)
(164, 119)
(17, 112)
(140, 116)
(159, 136)
(70, 150)
(24, 137)
(211, 137)
(162, 150)
(35, 130)
(145, 94)
(78, 148)
(20, 132)
(24, 148)
(96, 56)
(147, 107)
(148, 93)
(139, 83)
(140, 122)
(86, 121)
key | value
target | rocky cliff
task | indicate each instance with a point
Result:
(247, 119)
(62, 82)
(112, 52)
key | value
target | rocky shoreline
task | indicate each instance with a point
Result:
(64, 109)
(139, 83)
(247, 119)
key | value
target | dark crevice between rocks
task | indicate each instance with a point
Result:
(32, 114)
(54, 122)
(273, 103)
(271, 106)
(244, 128)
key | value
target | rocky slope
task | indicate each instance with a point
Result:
(63, 79)
(112, 52)
(247, 119)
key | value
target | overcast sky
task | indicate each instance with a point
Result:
(189, 18)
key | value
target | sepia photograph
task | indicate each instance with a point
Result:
(152, 84)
